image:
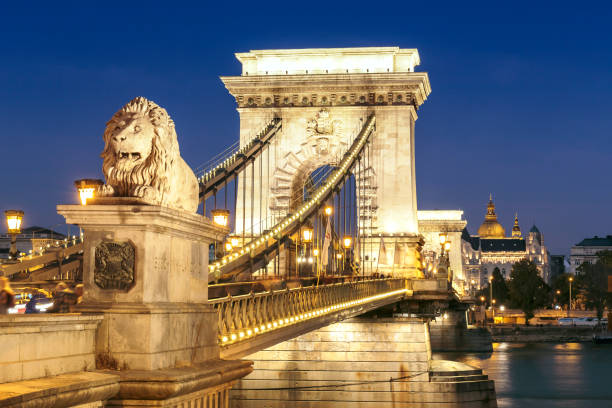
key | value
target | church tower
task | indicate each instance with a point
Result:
(516, 230)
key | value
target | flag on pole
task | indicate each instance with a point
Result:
(396, 254)
(382, 252)
(326, 242)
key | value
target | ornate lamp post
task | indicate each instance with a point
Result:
(220, 216)
(307, 234)
(87, 188)
(347, 242)
(569, 306)
(13, 221)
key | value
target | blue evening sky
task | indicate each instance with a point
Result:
(521, 102)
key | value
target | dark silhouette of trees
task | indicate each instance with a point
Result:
(561, 283)
(527, 289)
(592, 282)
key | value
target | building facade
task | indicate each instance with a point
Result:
(491, 249)
(587, 249)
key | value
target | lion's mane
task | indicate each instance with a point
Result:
(154, 171)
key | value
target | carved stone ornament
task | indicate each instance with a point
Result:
(141, 158)
(323, 135)
(114, 265)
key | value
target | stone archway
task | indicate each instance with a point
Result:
(324, 145)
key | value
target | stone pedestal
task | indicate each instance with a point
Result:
(145, 268)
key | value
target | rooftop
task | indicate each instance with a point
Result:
(328, 61)
(596, 241)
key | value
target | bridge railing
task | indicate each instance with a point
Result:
(55, 254)
(245, 316)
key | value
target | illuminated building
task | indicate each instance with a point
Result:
(491, 249)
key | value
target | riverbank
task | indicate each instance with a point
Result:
(541, 334)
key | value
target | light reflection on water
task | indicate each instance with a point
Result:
(543, 375)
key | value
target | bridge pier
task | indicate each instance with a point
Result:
(362, 362)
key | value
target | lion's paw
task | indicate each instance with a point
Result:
(146, 192)
(106, 190)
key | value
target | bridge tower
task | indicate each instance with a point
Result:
(323, 96)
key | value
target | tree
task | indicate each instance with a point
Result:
(592, 281)
(561, 283)
(500, 289)
(528, 291)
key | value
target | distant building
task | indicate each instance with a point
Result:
(491, 249)
(31, 239)
(587, 249)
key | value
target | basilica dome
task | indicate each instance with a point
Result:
(490, 228)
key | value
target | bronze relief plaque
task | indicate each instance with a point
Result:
(114, 265)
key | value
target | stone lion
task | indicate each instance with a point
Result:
(141, 158)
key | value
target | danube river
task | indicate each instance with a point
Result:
(546, 375)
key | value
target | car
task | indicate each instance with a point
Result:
(38, 303)
(586, 321)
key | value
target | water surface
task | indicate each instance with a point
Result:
(546, 375)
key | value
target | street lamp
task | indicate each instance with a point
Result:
(87, 188)
(307, 234)
(220, 216)
(234, 241)
(13, 221)
(347, 241)
(328, 210)
(569, 306)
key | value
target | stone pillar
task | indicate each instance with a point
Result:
(145, 268)
(323, 97)
(361, 362)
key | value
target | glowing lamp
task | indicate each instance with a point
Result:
(329, 210)
(482, 298)
(339, 256)
(571, 279)
(442, 238)
(87, 188)
(502, 308)
(307, 234)
(447, 246)
(234, 241)
(315, 252)
(220, 216)
(13, 220)
(228, 246)
(347, 241)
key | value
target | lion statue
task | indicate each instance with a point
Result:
(141, 158)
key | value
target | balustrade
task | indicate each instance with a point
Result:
(244, 316)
